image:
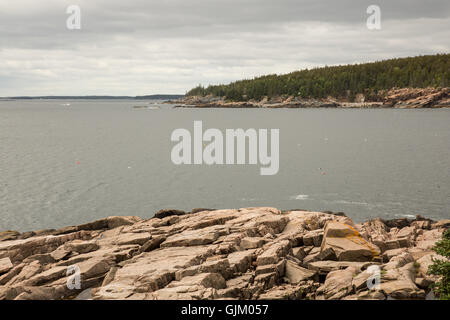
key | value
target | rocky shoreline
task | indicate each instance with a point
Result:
(405, 98)
(248, 253)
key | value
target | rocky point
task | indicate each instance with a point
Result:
(402, 98)
(248, 253)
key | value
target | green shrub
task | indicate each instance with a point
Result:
(442, 268)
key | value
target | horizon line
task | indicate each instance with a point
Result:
(92, 96)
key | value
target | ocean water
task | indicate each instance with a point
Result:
(66, 164)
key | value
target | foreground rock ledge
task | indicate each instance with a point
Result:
(249, 253)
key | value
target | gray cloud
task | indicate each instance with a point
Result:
(143, 47)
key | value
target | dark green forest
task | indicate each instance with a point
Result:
(340, 81)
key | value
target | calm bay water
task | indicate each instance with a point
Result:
(63, 165)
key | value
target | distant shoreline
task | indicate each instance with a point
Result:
(404, 98)
(146, 97)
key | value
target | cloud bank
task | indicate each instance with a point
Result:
(168, 46)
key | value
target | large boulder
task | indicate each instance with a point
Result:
(426, 261)
(221, 266)
(5, 265)
(151, 271)
(324, 267)
(240, 261)
(441, 224)
(313, 238)
(169, 212)
(428, 238)
(106, 223)
(338, 284)
(195, 237)
(347, 243)
(238, 287)
(375, 231)
(252, 242)
(389, 254)
(201, 286)
(359, 282)
(399, 261)
(274, 253)
(9, 235)
(402, 289)
(207, 280)
(295, 274)
(288, 292)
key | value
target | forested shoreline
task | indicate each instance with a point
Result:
(341, 82)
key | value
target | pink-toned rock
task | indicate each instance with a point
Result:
(338, 284)
(252, 243)
(402, 289)
(299, 253)
(247, 253)
(60, 253)
(5, 265)
(347, 243)
(240, 261)
(273, 254)
(26, 272)
(389, 254)
(313, 238)
(195, 237)
(399, 261)
(151, 271)
(428, 239)
(441, 224)
(426, 261)
(324, 267)
(295, 273)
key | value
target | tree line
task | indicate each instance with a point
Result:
(339, 81)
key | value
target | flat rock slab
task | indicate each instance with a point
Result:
(325, 267)
(295, 273)
(402, 289)
(347, 243)
(338, 283)
(5, 265)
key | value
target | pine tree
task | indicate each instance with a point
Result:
(338, 81)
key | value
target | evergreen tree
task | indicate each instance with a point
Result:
(340, 81)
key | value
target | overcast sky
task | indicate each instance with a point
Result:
(138, 47)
